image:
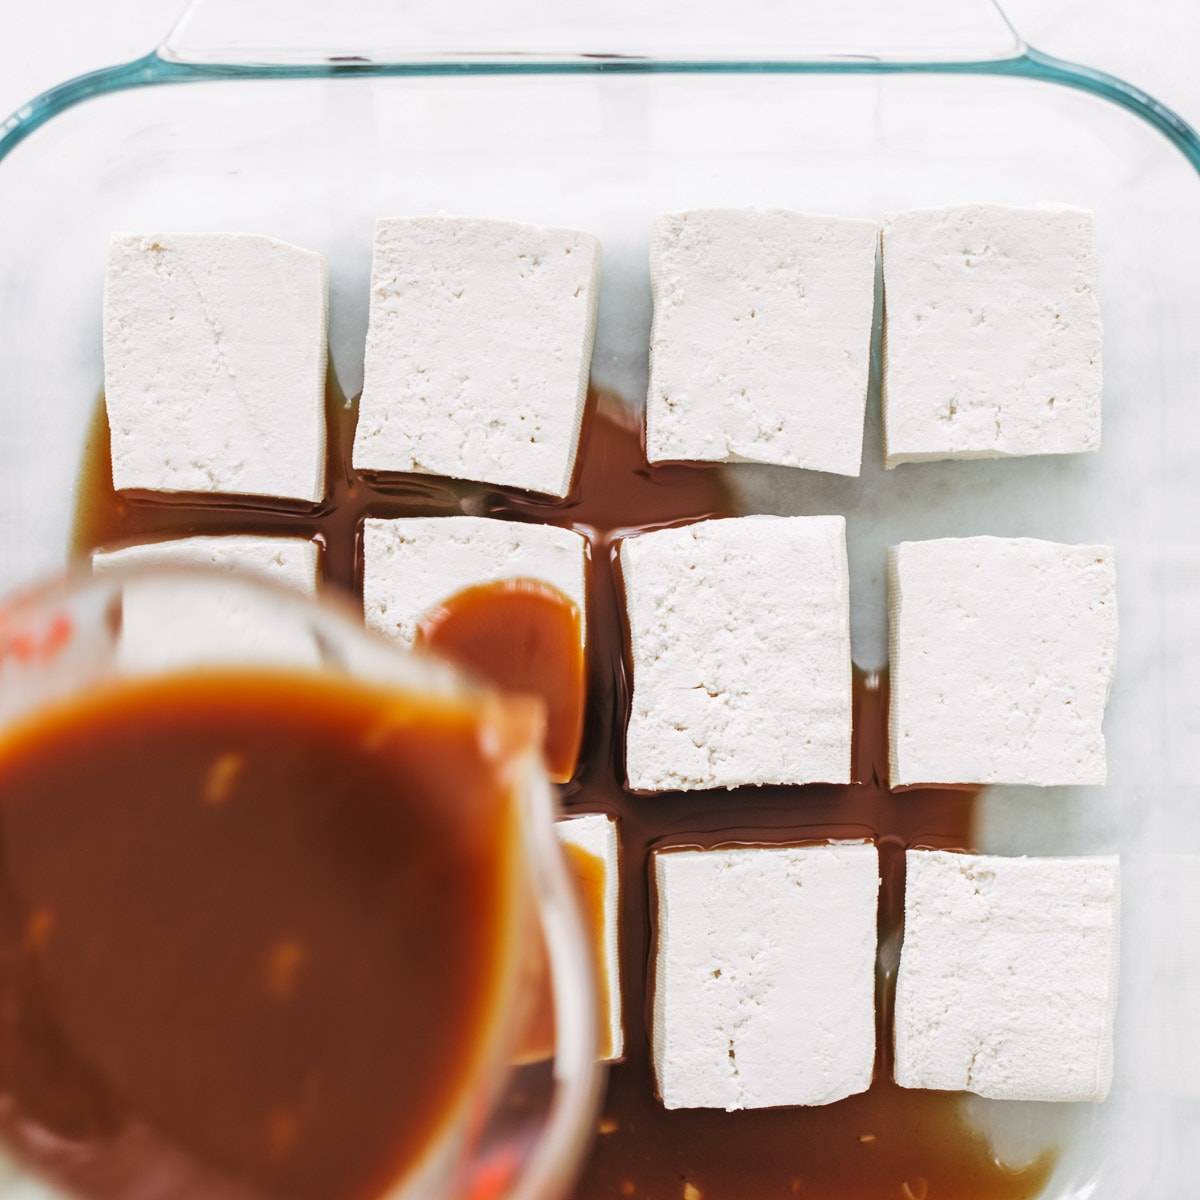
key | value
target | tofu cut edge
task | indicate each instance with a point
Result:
(1008, 681)
(413, 564)
(215, 364)
(596, 833)
(764, 975)
(971, 370)
(1008, 977)
(771, 363)
(716, 609)
(477, 363)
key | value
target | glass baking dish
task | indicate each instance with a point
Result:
(224, 129)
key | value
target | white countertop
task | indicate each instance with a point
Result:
(1152, 45)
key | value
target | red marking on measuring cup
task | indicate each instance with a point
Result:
(36, 646)
(492, 1178)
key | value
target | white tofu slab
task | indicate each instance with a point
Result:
(740, 633)
(597, 835)
(412, 564)
(761, 341)
(214, 364)
(171, 623)
(1008, 975)
(764, 989)
(478, 348)
(1002, 656)
(992, 334)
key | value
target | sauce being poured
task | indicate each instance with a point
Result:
(537, 1038)
(524, 637)
(887, 1144)
(221, 972)
(589, 873)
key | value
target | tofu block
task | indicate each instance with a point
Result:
(478, 348)
(412, 564)
(1008, 975)
(992, 335)
(214, 364)
(1002, 656)
(168, 622)
(764, 988)
(596, 834)
(740, 635)
(761, 341)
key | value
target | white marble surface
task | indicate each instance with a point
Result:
(1153, 45)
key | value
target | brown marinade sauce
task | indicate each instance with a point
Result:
(522, 636)
(887, 1144)
(229, 981)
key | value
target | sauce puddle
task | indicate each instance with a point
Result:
(887, 1144)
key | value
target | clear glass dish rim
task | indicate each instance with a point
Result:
(158, 68)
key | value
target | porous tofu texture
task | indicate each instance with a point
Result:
(214, 364)
(1008, 975)
(412, 564)
(761, 339)
(171, 622)
(740, 635)
(992, 334)
(478, 348)
(597, 835)
(1002, 656)
(764, 990)
(287, 560)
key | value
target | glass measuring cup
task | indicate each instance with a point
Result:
(517, 1128)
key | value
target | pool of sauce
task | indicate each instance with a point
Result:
(228, 982)
(887, 1144)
